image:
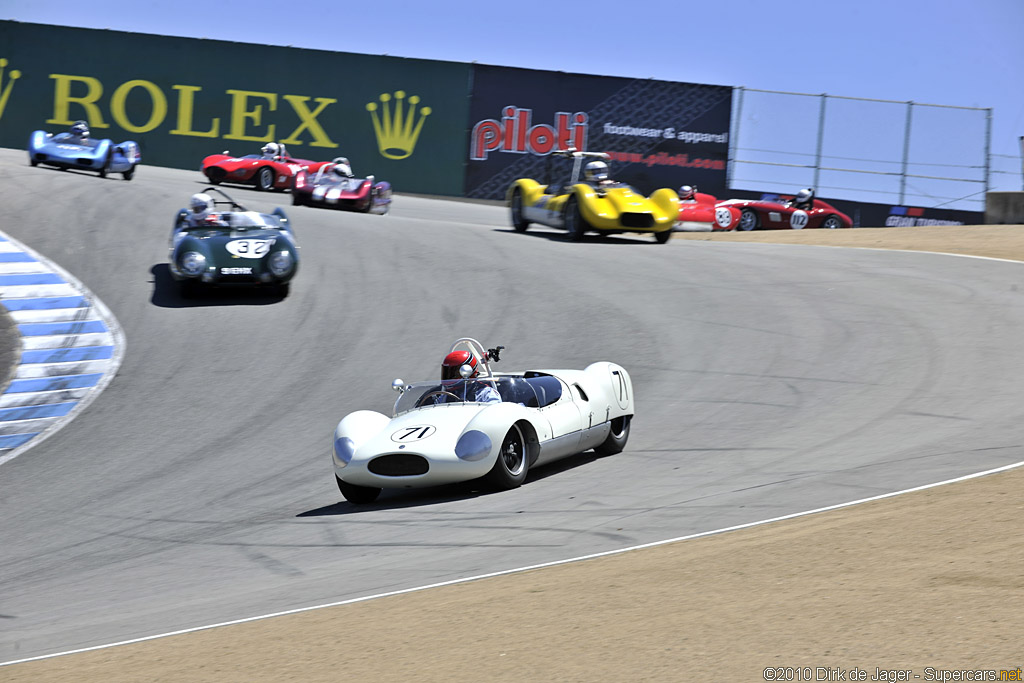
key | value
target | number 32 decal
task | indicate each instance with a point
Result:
(248, 248)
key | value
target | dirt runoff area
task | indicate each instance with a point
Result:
(923, 586)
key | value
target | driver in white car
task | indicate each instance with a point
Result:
(467, 389)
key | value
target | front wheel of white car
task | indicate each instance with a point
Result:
(359, 495)
(617, 437)
(510, 468)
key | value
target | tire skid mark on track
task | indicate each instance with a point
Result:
(71, 348)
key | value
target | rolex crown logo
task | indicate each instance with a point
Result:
(398, 130)
(5, 91)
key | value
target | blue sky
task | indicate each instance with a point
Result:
(958, 54)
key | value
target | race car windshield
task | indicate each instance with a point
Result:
(247, 219)
(74, 139)
(531, 392)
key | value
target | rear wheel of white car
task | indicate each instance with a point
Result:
(574, 222)
(510, 468)
(748, 220)
(357, 494)
(265, 179)
(518, 222)
(617, 437)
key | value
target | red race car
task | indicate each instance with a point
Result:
(335, 187)
(701, 212)
(274, 169)
(802, 211)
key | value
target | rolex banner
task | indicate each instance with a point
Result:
(657, 133)
(181, 99)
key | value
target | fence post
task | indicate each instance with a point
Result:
(734, 138)
(821, 137)
(988, 151)
(906, 152)
(1022, 162)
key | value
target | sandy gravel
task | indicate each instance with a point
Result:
(928, 579)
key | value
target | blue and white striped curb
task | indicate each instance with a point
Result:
(71, 347)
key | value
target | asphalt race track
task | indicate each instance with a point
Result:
(198, 488)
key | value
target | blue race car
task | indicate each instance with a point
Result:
(75, 148)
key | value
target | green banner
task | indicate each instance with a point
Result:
(402, 120)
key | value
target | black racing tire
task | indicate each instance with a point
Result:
(617, 437)
(512, 464)
(358, 495)
(215, 175)
(296, 199)
(106, 164)
(573, 220)
(516, 207)
(284, 289)
(369, 203)
(265, 179)
(129, 174)
(748, 220)
(663, 237)
(32, 162)
(832, 222)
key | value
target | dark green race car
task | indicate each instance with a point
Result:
(232, 246)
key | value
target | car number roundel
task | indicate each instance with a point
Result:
(723, 217)
(248, 248)
(413, 433)
(798, 221)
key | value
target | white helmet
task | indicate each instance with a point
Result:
(80, 128)
(201, 204)
(687, 191)
(596, 171)
(271, 149)
(803, 196)
(341, 168)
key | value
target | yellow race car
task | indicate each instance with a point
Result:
(594, 203)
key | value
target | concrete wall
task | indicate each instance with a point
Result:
(1004, 208)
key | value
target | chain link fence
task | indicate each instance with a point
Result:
(881, 151)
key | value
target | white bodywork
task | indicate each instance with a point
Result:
(460, 441)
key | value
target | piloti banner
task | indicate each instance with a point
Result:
(181, 99)
(657, 133)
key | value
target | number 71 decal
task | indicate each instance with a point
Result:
(412, 433)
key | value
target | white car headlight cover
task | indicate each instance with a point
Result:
(192, 263)
(344, 449)
(472, 446)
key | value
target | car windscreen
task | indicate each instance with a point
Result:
(69, 139)
(532, 392)
(251, 219)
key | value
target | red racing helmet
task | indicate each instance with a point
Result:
(455, 360)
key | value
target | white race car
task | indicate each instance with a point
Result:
(482, 424)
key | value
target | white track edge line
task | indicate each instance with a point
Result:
(519, 570)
